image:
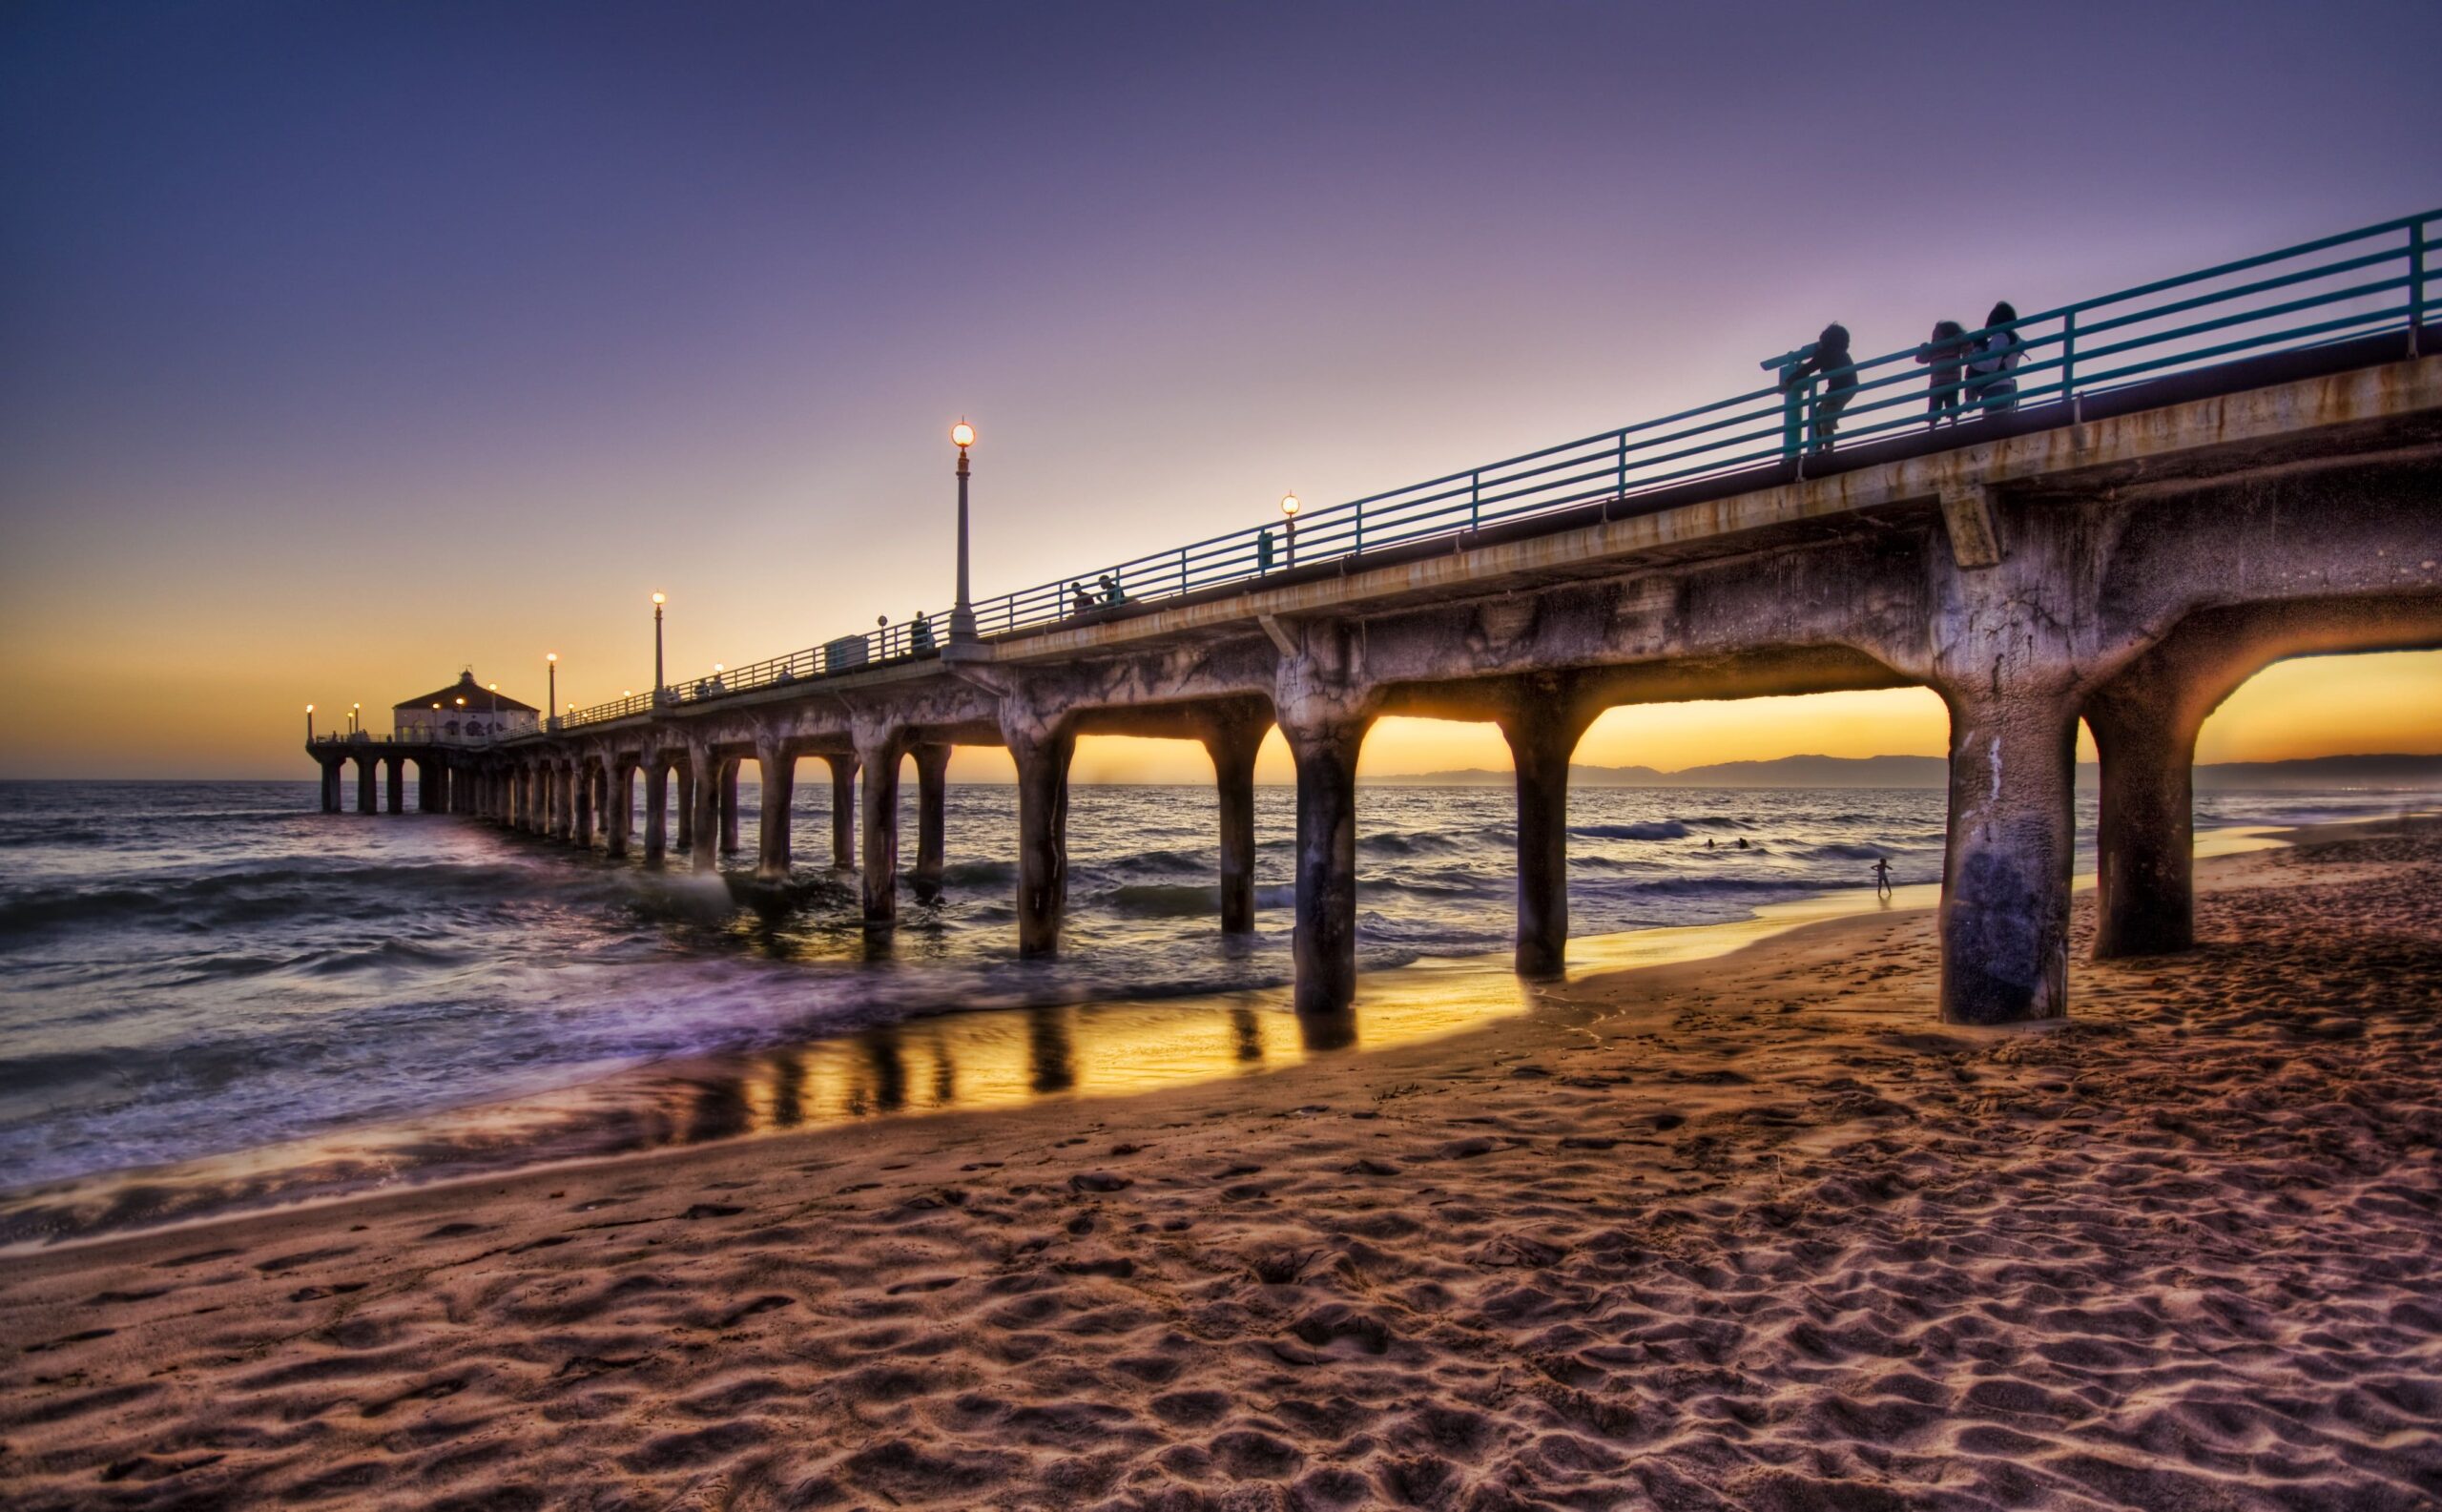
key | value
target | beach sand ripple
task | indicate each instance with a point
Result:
(1756, 1232)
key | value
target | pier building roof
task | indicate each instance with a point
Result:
(476, 696)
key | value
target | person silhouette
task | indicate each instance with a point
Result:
(1945, 354)
(1881, 876)
(1828, 355)
(1990, 387)
(920, 632)
(1080, 601)
(1110, 586)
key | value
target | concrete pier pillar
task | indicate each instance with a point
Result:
(330, 785)
(367, 800)
(932, 802)
(779, 780)
(656, 809)
(689, 778)
(2005, 878)
(2145, 871)
(563, 802)
(581, 832)
(430, 785)
(878, 754)
(1325, 742)
(619, 804)
(394, 794)
(1232, 747)
(843, 811)
(1042, 749)
(728, 769)
(703, 825)
(1543, 734)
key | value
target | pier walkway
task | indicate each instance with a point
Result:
(2186, 482)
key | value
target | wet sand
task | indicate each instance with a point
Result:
(1751, 1232)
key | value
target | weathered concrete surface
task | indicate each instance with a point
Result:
(932, 802)
(2018, 577)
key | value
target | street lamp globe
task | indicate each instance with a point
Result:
(658, 599)
(1289, 504)
(962, 435)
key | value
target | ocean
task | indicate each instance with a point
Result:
(192, 971)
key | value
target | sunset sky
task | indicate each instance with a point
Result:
(342, 345)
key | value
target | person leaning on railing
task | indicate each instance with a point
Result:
(1945, 353)
(1990, 387)
(1829, 356)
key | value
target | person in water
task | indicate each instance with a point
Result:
(1742, 843)
(1828, 355)
(1881, 876)
(1946, 353)
(1990, 385)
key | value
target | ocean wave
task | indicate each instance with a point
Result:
(978, 874)
(1165, 901)
(1657, 830)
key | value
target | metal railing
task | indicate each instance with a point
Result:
(2358, 284)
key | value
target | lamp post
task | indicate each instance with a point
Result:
(1289, 508)
(552, 666)
(356, 718)
(963, 611)
(309, 724)
(657, 648)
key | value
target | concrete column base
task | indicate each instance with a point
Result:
(932, 802)
(2005, 882)
(878, 754)
(657, 810)
(729, 806)
(703, 827)
(619, 810)
(1541, 741)
(1233, 748)
(779, 780)
(1042, 752)
(1324, 947)
(843, 811)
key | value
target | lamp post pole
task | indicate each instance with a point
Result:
(551, 664)
(963, 611)
(309, 724)
(1289, 508)
(656, 648)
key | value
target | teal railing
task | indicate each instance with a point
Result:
(2357, 284)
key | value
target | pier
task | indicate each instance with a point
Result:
(2184, 482)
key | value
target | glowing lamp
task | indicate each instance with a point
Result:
(658, 599)
(1288, 504)
(962, 435)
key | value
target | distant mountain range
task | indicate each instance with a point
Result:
(1932, 772)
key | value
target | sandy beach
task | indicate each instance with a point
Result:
(1748, 1233)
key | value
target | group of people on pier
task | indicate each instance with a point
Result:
(1969, 373)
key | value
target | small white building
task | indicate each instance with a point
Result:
(465, 713)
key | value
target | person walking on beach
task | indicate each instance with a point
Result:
(1946, 353)
(1881, 876)
(1828, 355)
(1990, 387)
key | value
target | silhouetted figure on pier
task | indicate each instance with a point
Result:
(920, 632)
(1111, 593)
(1990, 385)
(1946, 353)
(1829, 356)
(1080, 601)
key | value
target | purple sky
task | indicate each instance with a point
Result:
(343, 343)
